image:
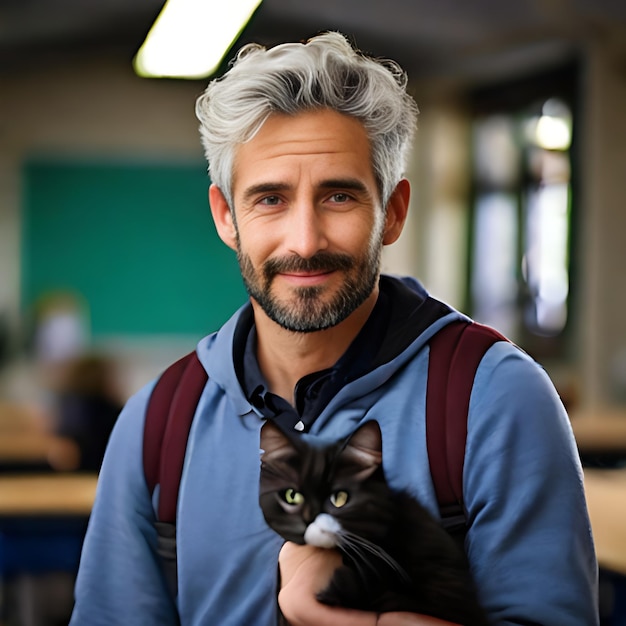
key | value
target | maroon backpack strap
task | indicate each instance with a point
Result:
(170, 411)
(455, 353)
(169, 414)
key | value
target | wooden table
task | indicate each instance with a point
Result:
(53, 494)
(600, 429)
(25, 439)
(26, 447)
(36, 450)
(19, 417)
(606, 500)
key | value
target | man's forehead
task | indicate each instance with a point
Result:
(309, 140)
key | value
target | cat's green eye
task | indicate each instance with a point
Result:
(291, 496)
(339, 498)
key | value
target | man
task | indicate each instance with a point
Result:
(306, 145)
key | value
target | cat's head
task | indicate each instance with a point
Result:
(312, 492)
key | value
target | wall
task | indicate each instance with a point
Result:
(601, 255)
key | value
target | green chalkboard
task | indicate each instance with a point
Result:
(135, 241)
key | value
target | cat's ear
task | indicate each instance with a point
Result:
(368, 437)
(274, 442)
(364, 448)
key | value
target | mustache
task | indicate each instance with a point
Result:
(320, 262)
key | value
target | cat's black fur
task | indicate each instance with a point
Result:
(396, 556)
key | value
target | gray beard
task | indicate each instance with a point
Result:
(307, 313)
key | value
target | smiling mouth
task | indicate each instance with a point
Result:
(307, 278)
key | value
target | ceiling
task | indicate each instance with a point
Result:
(473, 39)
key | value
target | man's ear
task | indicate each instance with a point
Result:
(222, 217)
(397, 209)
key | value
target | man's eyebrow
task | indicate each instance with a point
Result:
(353, 184)
(262, 188)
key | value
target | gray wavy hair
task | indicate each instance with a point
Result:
(324, 72)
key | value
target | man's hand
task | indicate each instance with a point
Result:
(305, 570)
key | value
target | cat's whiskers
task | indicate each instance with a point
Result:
(359, 561)
(359, 547)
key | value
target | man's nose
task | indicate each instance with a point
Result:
(306, 230)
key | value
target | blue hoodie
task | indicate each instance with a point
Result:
(529, 541)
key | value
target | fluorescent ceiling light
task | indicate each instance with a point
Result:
(190, 37)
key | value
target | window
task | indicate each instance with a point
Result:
(522, 205)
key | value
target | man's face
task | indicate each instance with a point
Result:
(308, 219)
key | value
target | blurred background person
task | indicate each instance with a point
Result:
(86, 408)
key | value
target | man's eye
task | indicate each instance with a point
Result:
(340, 198)
(270, 200)
(339, 498)
(291, 496)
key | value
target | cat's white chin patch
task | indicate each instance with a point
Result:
(322, 532)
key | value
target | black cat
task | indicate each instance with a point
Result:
(396, 556)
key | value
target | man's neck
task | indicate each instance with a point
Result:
(284, 356)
